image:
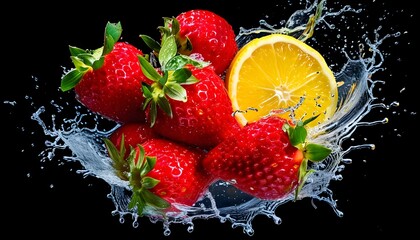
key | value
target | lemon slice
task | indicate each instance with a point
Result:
(279, 72)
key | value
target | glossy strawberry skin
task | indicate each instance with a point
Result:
(179, 170)
(134, 133)
(114, 90)
(259, 160)
(211, 36)
(205, 119)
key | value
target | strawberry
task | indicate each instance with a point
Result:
(162, 173)
(267, 159)
(203, 33)
(187, 101)
(131, 134)
(210, 35)
(203, 119)
(108, 80)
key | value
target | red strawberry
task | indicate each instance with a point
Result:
(134, 133)
(202, 34)
(187, 101)
(266, 159)
(108, 80)
(162, 173)
(200, 113)
(210, 35)
(131, 134)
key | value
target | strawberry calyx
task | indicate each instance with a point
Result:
(310, 151)
(134, 169)
(88, 60)
(141, 184)
(170, 28)
(174, 72)
(183, 43)
(119, 162)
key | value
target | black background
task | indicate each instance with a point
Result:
(378, 190)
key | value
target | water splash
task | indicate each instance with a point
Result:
(222, 200)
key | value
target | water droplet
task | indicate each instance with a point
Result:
(346, 161)
(13, 103)
(135, 224)
(167, 232)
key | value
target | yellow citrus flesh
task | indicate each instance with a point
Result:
(279, 72)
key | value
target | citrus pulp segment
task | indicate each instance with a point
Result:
(280, 72)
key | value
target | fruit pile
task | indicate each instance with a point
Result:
(178, 129)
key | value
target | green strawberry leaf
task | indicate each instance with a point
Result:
(148, 182)
(174, 25)
(97, 53)
(168, 51)
(148, 70)
(79, 62)
(190, 80)
(71, 79)
(119, 163)
(151, 43)
(112, 35)
(164, 79)
(98, 63)
(153, 113)
(143, 198)
(303, 177)
(142, 155)
(175, 91)
(85, 60)
(154, 200)
(297, 134)
(316, 152)
(137, 201)
(75, 51)
(164, 32)
(112, 150)
(179, 61)
(182, 75)
(147, 92)
(163, 104)
(148, 165)
(184, 45)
